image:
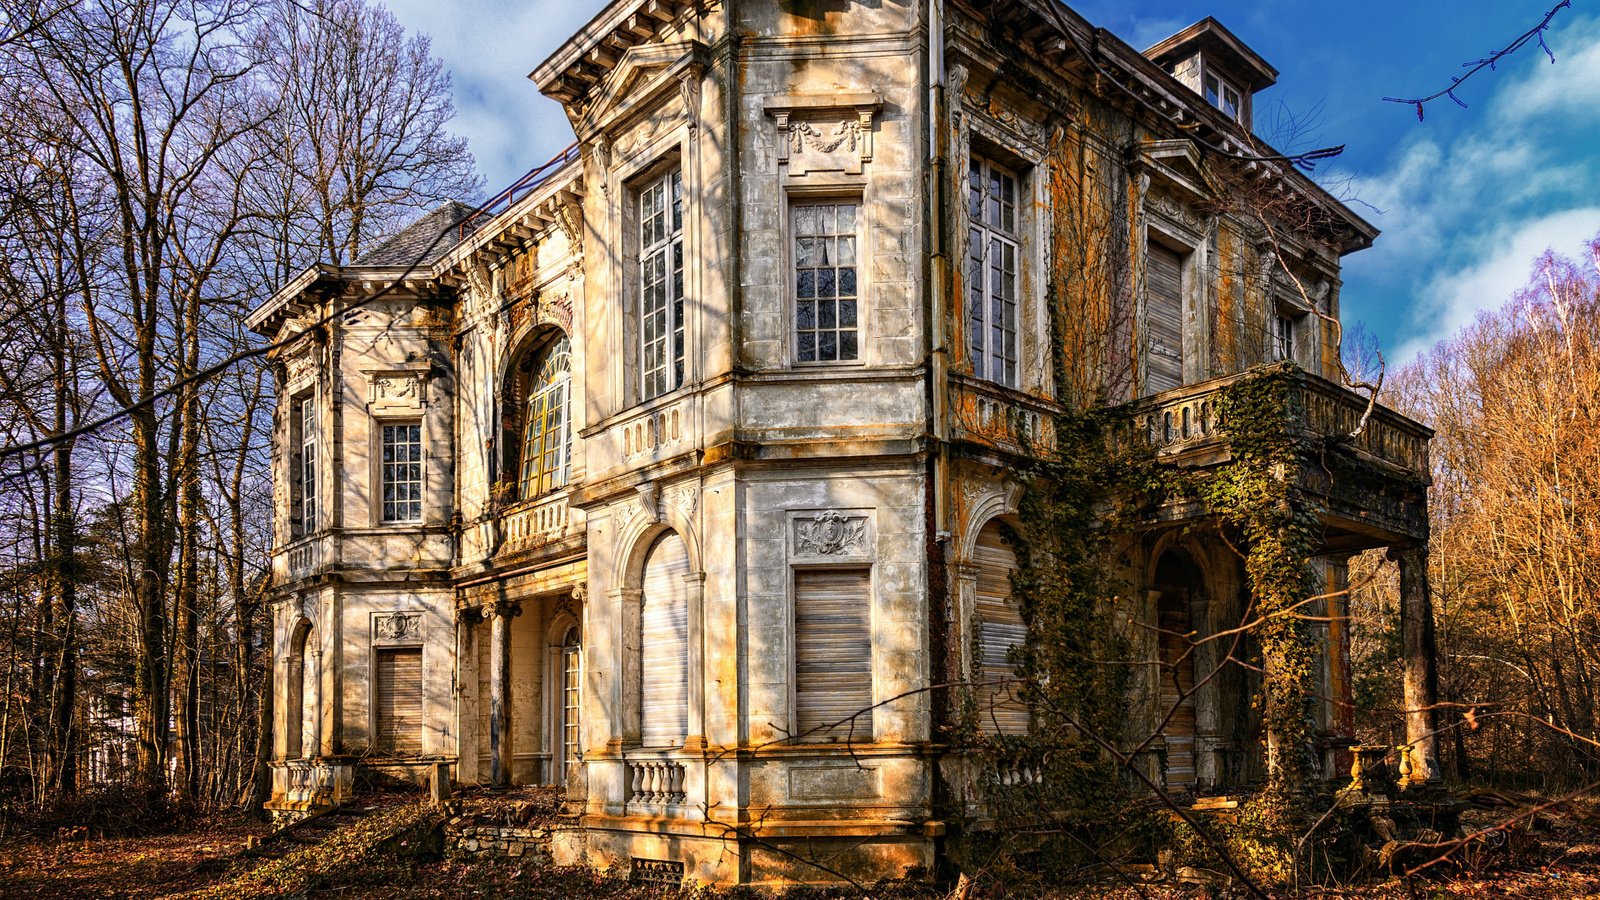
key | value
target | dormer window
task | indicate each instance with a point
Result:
(1224, 96)
(1211, 61)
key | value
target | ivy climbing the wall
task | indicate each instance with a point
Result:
(1097, 485)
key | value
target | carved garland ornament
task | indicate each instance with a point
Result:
(831, 534)
(399, 627)
(805, 133)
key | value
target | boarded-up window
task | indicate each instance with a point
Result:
(1000, 627)
(1163, 319)
(399, 700)
(833, 655)
(664, 651)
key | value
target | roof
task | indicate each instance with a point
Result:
(1209, 36)
(424, 240)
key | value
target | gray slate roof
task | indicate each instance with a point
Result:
(414, 240)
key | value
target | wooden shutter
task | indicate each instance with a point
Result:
(399, 690)
(1177, 656)
(1000, 627)
(833, 654)
(1163, 319)
(664, 654)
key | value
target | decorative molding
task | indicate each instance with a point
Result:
(391, 391)
(689, 89)
(649, 500)
(824, 132)
(683, 500)
(398, 627)
(569, 216)
(831, 534)
(300, 367)
(556, 309)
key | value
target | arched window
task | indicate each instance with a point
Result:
(1000, 628)
(546, 431)
(664, 645)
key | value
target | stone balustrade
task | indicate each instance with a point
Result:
(535, 522)
(656, 781)
(1189, 419)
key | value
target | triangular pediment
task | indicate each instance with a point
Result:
(641, 75)
(1178, 164)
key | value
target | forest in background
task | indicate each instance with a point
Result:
(168, 164)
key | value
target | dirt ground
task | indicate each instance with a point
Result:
(172, 864)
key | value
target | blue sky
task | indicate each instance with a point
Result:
(1466, 199)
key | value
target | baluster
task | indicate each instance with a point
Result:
(636, 773)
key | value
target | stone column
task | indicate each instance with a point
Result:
(500, 615)
(468, 708)
(1417, 651)
(694, 584)
(315, 703)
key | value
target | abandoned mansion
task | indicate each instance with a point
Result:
(679, 472)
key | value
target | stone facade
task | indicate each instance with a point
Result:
(625, 479)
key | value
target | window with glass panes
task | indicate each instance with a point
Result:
(992, 252)
(546, 434)
(661, 285)
(305, 501)
(1223, 96)
(402, 472)
(827, 305)
(1282, 336)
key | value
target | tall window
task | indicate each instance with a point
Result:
(1282, 336)
(398, 685)
(546, 433)
(1163, 319)
(833, 655)
(402, 472)
(303, 497)
(992, 272)
(661, 285)
(826, 302)
(664, 645)
(1000, 628)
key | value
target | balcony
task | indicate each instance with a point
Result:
(534, 523)
(1369, 485)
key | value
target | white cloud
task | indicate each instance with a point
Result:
(1569, 87)
(1466, 206)
(490, 47)
(1501, 265)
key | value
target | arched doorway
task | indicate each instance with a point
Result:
(1178, 586)
(300, 708)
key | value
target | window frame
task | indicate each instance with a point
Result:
(865, 729)
(1284, 336)
(982, 237)
(547, 479)
(385, 471)
(833, 199)
(303, 480)
(1219, 100)
(672, 338)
